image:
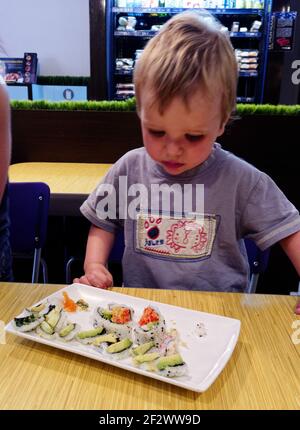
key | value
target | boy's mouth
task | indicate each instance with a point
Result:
(172, 165)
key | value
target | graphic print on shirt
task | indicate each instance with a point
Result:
(180, 238)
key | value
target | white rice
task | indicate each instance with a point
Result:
(174, 371)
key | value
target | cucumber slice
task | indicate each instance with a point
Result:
(47, 327)
(53, 316)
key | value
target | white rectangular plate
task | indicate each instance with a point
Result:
(205, 356)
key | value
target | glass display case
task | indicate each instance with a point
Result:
(131, 23)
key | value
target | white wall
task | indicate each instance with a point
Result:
(58, 30)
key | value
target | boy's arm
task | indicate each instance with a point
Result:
(291, 246)
(98, 248)
(5, 138)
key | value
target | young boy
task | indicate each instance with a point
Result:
(185, 83)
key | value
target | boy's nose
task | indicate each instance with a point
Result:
(174, 147)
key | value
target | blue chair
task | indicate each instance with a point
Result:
(258, 262)
(28, 210)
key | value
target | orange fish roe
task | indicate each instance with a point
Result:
(149, 316)
(120, 315)
(69, 304)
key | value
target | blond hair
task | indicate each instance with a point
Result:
(191, 51)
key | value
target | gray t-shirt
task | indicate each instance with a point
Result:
(175, 252)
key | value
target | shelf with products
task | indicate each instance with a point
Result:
(245, 100)
(151, 33)
(248, 74)
(242, 73)
(173, 10)
(130, 28)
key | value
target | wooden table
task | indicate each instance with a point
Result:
(263, 372)
(70, 183)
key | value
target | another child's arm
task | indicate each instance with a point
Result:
(5, 138)
(98, 248)
(291, 246)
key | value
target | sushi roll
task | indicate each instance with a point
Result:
(171, 366)
(151, 327)
(27, 323)
(115, 319)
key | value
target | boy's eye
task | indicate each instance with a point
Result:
(194, 137)
(157, 133)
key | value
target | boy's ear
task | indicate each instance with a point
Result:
(222, 128)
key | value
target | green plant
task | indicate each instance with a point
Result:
(267, 109)
(129, 106)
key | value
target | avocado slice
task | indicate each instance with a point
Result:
(146, 357)
(109, 338)
(150, 325)
(90, 333)
(106, 313)
(119, 346)
(169, 360)
(142, 349)
(67, 330)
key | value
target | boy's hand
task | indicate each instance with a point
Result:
(96, 275)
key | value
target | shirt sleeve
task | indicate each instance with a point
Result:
(268, 216)
(102, 206)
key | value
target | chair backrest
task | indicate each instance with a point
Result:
(28, 210)
(258, 262)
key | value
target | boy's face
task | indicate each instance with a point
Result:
(182, 137)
